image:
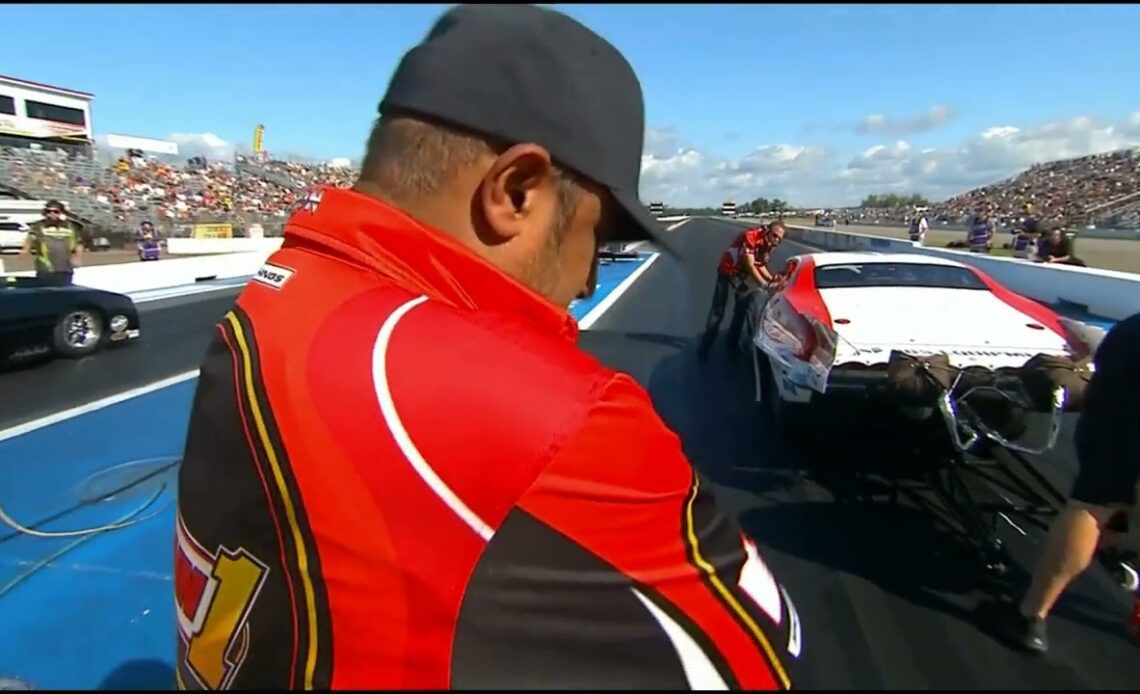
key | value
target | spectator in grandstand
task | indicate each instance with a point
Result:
(54, 243)
(1104, 493)
(1058, 248)
(450, 481)
(1071, 191)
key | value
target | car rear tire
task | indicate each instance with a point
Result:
(78, 333)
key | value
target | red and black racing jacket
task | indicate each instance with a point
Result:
(401, 473)
(755, 241)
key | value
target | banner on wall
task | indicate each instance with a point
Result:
(213, 231)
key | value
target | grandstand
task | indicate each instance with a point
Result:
(1094, 189)
(112, 190)
(115, 188)
(115, 198)
(1100, 189)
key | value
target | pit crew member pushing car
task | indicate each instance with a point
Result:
(401, 472)
(743, 268)
(1105, 490)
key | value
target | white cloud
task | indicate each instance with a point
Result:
(809, 174)
(879, 124)
(206, 145)
(679, 173)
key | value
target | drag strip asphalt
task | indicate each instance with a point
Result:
(175, 333)
(884, 597)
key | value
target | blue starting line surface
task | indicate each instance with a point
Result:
(92, 608)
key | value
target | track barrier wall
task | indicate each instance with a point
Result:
(1108, 293)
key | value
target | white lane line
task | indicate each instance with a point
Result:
(94, 406)
(610, 299)
(157, 295)
(679, 224)
(148, 295)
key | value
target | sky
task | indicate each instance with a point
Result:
(813, 104)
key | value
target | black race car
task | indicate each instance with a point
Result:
(38, 318)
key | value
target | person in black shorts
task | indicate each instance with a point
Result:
(1107, 442)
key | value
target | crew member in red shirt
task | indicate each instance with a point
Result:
(401, 472)
(743, 268)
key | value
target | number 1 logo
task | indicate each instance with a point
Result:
(214, 601)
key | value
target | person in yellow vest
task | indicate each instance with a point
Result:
(55, 244)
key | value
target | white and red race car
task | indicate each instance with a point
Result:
(828, 331)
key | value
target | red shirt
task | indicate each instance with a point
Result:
(753, 241)
(401, 472)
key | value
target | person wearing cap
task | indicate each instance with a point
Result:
(54, 243)
(743, 268)
(401, 472)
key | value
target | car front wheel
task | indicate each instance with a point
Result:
(78, 333)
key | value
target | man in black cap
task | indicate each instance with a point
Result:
(55, 245)
(402, 473)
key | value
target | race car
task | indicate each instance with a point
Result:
(618, 250)
(823, 220)
(12, 236)
(67, 321)
(955, 381)
(839, 326)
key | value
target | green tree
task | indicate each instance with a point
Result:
(894, 201)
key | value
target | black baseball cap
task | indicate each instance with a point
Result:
(522, 73)
(54, 205)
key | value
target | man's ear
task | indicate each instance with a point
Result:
(509, 191)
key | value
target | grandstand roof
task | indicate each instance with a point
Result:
(40, 85)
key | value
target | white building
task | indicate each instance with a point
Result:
(32, 111)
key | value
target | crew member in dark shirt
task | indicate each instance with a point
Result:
(1104, 493)
(1029, 223)
(1026, 238)
(1058, 248)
